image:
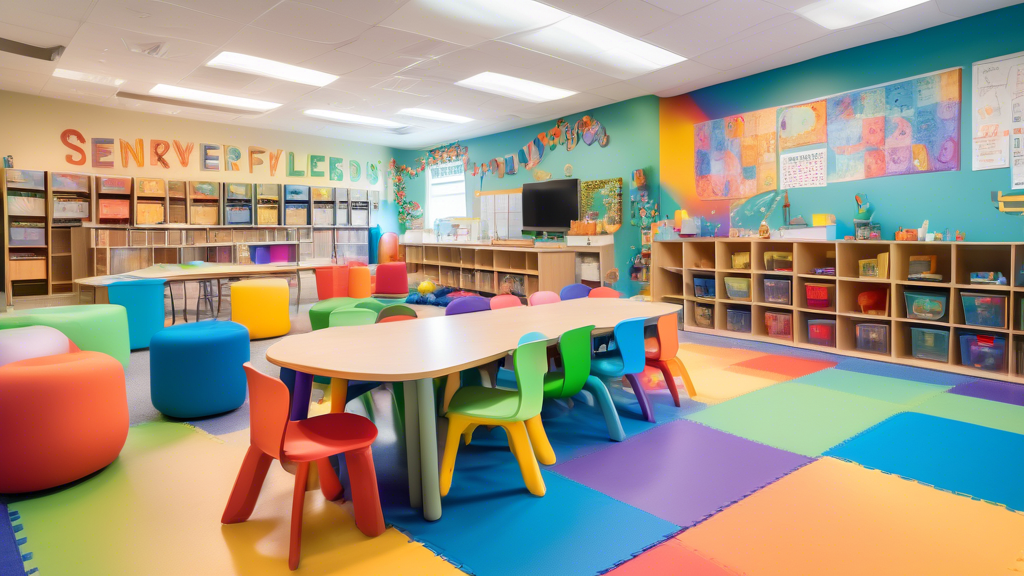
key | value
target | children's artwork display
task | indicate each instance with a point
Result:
(996, 85)
(802, 125)
(610, 191)
(735, 157)
(905, 127)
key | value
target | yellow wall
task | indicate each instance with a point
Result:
(32, 127)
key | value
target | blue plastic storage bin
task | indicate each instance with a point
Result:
(703, 287)
(926, 305)
(929, 344)
(738, 320)
(983, 351)
(984, 309)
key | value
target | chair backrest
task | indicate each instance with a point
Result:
(575, 346)
(629, 340)
(505, 301)
(531, 363)
(530, 337)
(466, 305)
(543, 297)
(574, 291)
(604, 292)
(269, 403)
(668, 336)
(371, 304)
(394, 312)
(351, 317)
(387, 248)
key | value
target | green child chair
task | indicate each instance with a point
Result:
(516, 411)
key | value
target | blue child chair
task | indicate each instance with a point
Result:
(574, 291)
(627, 359)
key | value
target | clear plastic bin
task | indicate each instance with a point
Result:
(983, 351)
(821, 332)
(929, 344)
(779, 325)
(704, 287)
(777, 291)
(984, 309)
(873, 338)
(820, 296)
(926, 305)
(738, 288)
(738, 320)
(704, 315)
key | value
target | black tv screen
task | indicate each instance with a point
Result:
(549, 206)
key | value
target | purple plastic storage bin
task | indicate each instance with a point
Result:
(280, 253)
(260, 254)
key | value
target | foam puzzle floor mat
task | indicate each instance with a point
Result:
(799, 418)
(907, 393)
(1004, 392)
(900, 371)
(785, 366)
(996, 415)
(671, 559)
(837, 518)
(950, 455)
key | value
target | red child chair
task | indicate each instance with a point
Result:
(661, 354)
(392, 281)
(274, 437)
(604, 292)
(331, 282)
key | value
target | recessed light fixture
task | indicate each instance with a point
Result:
(270, 68)
(179, 93)
(346, 118)
(836, 14)
(513, 87)
(434, 115)
(86, 77)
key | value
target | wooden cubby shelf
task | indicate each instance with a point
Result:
(677, 263)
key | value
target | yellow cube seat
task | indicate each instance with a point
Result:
(261, 305)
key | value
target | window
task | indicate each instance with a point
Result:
(446, 192)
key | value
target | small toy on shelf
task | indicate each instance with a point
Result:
(961, 236)
(875, 302)
(988, 278)
(863, 228)
(924, 268)
(909, 235)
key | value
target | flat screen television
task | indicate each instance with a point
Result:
(551, 205)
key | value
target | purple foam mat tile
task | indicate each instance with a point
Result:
(902, 372)
(681, 471)
(10, 556)
(753, 345)
(1004, 392)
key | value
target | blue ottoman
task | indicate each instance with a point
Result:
(144, 301)
(195, 369)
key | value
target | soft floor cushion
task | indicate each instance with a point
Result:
(31, 342)
(95, 327)
(261, 305)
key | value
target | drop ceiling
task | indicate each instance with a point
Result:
(394, 54)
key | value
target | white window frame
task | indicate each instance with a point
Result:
(448, 173)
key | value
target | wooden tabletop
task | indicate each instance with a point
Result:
(202, 272)
(430, 347)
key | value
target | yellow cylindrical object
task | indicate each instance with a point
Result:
(261, 305)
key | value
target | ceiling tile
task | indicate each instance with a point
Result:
(619, 91)
(585, 82)
(162, 19)
(28, 81)
(310, 23)
(275, 90)
(265, 44)
(671, 76)
(374, 70)
(713, 26)
(632, 17)
(396, 46)
(961, 9)
(681, 7)
(33, 37)
(578, 7)
(67, 9)
(574, 103)
(760, 45)
(82, 97)
(834, 42)
(465, 23)
(369, 12)
(243, 11)
(214, 79)
(525, 61)
(792, 5)
(915, 18)
(63, 85)
(335, 62)
(43, 18)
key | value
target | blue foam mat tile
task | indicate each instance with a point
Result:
(983, 463)
(902, 372)
(10, 555)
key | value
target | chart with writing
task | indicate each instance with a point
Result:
(802, 169)
(997, 99)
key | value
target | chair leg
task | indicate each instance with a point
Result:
(247, 486)
(365, 497)
(339, 389)
(468, 433)
(330, 485)
(684, 374)
(298, 499)
(518, 436)
(539, 440)
(641, 397)
(367, 401)
(611, 417)
(670, 379)
(456, 425)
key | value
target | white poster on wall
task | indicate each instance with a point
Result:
(802, 169)
(1017, 160)
(996, 102)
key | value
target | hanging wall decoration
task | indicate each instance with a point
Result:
(735, 156)
(586, 129)
(408, 210)
(802, 125)
(610, 191)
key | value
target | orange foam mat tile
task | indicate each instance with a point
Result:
(733, 354)
(837, 518)
(671, 559)
(788, 366)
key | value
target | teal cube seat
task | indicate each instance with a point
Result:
(92, 327)
(195, 369)
(144, 301)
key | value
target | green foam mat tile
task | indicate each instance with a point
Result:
(800, 418)
(894, 390)
(977, 411)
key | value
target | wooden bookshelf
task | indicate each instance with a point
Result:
(675, 264)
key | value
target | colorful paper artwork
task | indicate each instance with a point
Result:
(372, 175)
(735, 157)
(802, 125)
(906, 127)
(611, 192)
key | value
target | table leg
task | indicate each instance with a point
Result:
(184, 302)
(412, 443)
(298, 289)
(300, 396)
(174, 315)
(428, 449)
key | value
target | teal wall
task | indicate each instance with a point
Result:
(632, 127)
(954, 200)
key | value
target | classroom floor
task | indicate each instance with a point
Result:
(788, 462)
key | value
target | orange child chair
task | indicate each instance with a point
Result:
(661, 354)
(604, 292)
(331, 282)
(505, 301)
(274, 437)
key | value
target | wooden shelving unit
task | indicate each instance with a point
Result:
(676, 263)
(268, 204)
(113, 201)
(238, 204)
(26, 233)
(177, 202)
(204, 203)
(484, 268)
(296, 205)
(149, 202)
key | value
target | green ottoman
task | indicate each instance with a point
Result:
(92, 327)
(320, 313)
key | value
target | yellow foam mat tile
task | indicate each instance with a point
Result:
(715, 385)
(156, 511)
(732, 354)
(837, 518)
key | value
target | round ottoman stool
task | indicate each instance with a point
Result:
(62, 418)
(359, 282)
(32, 342)
(95, 327)
(320, 313)
(195, 369)
(261, 305)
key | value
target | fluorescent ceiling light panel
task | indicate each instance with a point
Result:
(836, 14)
(434, 115)
(513, 87)
(597, 47)
(270, 68)
(86, 77)
(179, 93)
(347, 118)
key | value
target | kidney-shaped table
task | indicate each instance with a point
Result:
(416, 352)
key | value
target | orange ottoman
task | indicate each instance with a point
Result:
(359, 282)
(331, 282)
(62, 417)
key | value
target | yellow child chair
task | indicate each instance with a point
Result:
(517, 411)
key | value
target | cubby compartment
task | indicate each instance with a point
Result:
(517, 261)
(981, 309)
(670, 281)
(484, 259)
(737, 318)
(927, 304)
(865, 298)
(467, 257)
(700, 314)
(774, 290)
(532, 261)
(980, 350)
(430, 255)
(996, 258)
(734, 286)
(485, 281)
(733, 255)
(669, 255)
(865, 336)
(815, 329)
(922, 258)
(818, 295)
(701, 285)
(815, 258)
(774, 323)
(532, 284)
(772, 256)
(699, 255)
(502, 260)
(922, 342)
(850, 255)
